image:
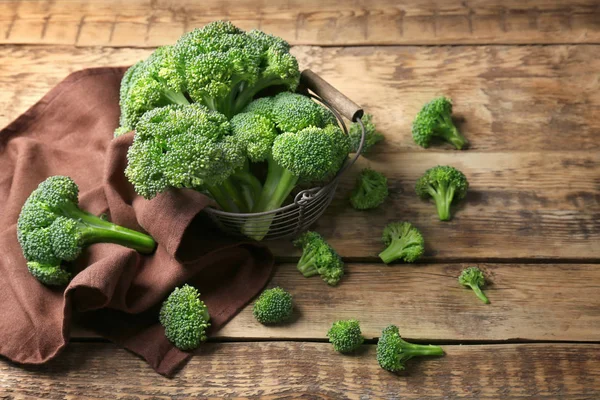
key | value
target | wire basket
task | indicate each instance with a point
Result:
(308, 204)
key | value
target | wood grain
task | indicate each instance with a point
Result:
(144, 23)
(314, 370)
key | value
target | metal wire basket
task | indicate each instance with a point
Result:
(309, 204)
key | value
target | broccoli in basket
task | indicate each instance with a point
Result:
(52, 229)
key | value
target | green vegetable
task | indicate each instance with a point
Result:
(372, 136)
(273, 306)
(319, 258)
(345, 336)
(393, 352)
(435, 121)
(52, 229)
(403, 241)
(444, 184)
(370, 190)
(219, 66)
(473, 277)
(185, 318)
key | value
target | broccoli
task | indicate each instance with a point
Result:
(372, 136)
(52, 228)
(318, 257)
(187, 147)
(435, 120)
(345, 336)
(444, 184)
(403, 241)
(185, 318)
(393, 352)
(473, 277)
(370, 190)
(273, 306)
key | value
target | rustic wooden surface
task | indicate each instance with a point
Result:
(531, 219)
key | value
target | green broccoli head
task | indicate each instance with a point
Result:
(445, 185)
(345, 336)
(403, 241)
(393, 352)
(185, 318)
(293, 112)
(256, 132)
(273, 306)
(182, 147)
(52, 229)
(370, 191)
(262, 106)
(319, 258)
(474, 278)
(435, 121)
(372, 136)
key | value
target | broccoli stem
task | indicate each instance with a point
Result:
(417, 350)
(449, 132)
(96, 230)
(398, 246)
(479, 293)
(250, 187)
(244, 97)
(307, 265)
(176, 97)
(223, 200)
(443, 197)
(231, 189)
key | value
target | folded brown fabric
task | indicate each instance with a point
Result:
(116, 292)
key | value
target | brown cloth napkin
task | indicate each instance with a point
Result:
(117, 292)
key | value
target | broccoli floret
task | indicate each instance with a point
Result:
(273, 306)
(185, 318)
(435, 120)
(52, 229)
(319, 258)
(370, 190)
(403, 241)
(473, 277)
(186, 147)
(444, 184)
(393, 352)
(293, 112)
(345, 336)
(372, 136)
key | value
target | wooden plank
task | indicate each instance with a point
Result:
(541, 302)
(510, 97)
(143, 23)
(314, 370)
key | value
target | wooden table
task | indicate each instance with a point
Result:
(524, 76)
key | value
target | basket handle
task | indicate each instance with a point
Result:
(331, 95)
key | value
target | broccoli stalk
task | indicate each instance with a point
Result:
(435, 120)
(403, 241)
(52, 229)
(319, 258)
(273, 306)
(444, 184)
(393, 352)
(473, 277)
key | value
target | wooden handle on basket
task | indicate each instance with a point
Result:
(331, 95)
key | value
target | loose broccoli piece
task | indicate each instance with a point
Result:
(393, 352)
(345, 336)
(435, 120)
(187, 147)
(403, 241)
(319, 258)
(370, 190)
(372, 136)
(273, 306)
(473, 277)
(52, 228)
(185, 318)
(444, 184)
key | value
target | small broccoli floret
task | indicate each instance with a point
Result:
(435, 120)
(319, 258)
(345, 336)
(185, 318)
(403, 241)
(293, 112)
(393, 352)
(473, 277)
(262, 106)
(372, 136)
(52, 229)
(370, 190)
(273, 306)
(444, 184)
